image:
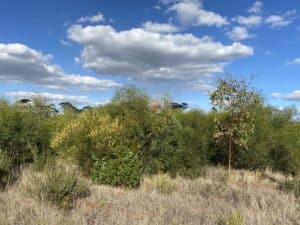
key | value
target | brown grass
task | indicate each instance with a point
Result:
(248, 199)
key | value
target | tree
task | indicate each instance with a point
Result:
(69, 108)
(182, 106)
(235, 100)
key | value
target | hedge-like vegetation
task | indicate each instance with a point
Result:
(118, 143)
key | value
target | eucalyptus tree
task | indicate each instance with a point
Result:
(234, 99)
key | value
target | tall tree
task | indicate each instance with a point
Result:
(234, 99)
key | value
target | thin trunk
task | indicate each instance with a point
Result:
(229, 158)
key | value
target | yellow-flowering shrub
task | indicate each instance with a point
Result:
(92, 134)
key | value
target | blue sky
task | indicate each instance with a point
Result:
(82, 51)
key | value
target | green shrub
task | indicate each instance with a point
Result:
(151, 131)
(120, 169)
(91, 134)
(5, 168)
(292, 186)
(285, 154)
(58, 185)
(194, 139)
(24, 131)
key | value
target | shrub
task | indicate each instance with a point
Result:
(162, 183)
(120, 169)
(292, 186)
(285, 154)
(24, 131)
(58, 185)
(232, 219)
(5, 168)
(91, 134)
(194, 139)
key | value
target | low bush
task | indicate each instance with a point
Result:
(120, 169)
(162, 183)
(232, 219)
(5, 168)
(58, 185)
(292, 186)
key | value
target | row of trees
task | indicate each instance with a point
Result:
(119, 142)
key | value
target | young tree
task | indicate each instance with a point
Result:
(234, 99)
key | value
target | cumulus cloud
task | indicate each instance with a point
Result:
(256, 8)
(160, 27)
(293, 96)
(191, 12)
(140, 54)
(56, 98)
(278, 21)
(99, 17)
(249, 21)
(239, 33)
(18, 62)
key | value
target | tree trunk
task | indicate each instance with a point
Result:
(229, 158)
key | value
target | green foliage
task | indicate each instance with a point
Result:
(150, 129)
(195, 140)
(58, 185)
(5, 168)
(91, 134)
(285, 152)
(292, 186)
(234, 98)
(120, 169)
(25, 131)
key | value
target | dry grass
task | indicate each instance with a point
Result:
(249, 199)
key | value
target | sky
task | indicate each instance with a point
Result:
(82, 51)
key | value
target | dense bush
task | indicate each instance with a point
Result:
(123, 168)
(285, 153)
(58, 185)
(195, 141)
(135, 135)
(150, 129)
(90, 135)
(24, 132)
(5, 168)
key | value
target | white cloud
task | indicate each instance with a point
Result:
(293, 96)
(56, 98)
(201, 85)
(256, 8)
(92, 19)
(65, 43)
(249, 21)
(278, 21)
(191, 12)
(295, 61)
(18, 62)
(144, 55)
(239, 33)
(160, 27)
